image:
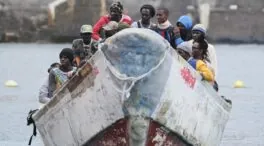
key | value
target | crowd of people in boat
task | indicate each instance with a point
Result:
(187, 39)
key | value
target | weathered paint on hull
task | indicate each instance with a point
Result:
(118, 135)
(90, 102)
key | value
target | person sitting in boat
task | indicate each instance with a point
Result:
(85, 47)
(198, 34)
(44, 89)
(164, 27)
(58, 76)
(116, 14)
(183, 30)
(194, 56)
(147, 12)
(184, 49)
(111, 28)
(197, 61)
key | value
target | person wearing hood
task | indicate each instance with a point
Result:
(164, 27)
(116, 14)
(147, 12)
(58, 76)
(84, 47)
(183, 30)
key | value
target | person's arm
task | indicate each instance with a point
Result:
(43, 92)
(97, 27)
(202, 68)
(52, 83)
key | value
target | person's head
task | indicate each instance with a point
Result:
(66, 57)
(198, 32)
(110, 28)
(116, 10)
(199, 50)
(184, 24)
(162, 15)
(122, 26)
(147, 12)
(86, 33)
(185, 50)
(53, 65)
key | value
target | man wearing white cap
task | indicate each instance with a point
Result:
(84, 48)
(199, 33)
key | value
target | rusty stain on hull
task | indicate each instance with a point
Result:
(118, 135)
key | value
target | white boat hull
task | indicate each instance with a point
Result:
(90, 103)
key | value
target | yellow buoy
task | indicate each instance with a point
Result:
(239, 84)
(10, 83)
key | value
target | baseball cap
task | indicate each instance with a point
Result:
(86, 29)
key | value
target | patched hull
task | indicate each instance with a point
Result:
(164, 103)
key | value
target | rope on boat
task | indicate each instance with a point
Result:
(31, 121)
(123, 77)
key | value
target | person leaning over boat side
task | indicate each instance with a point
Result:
(196, 51)
(85, 47)
(198, 34)
(147, 12)
(183, 30)
(164, 27)
(199, 54)
(116, 14)
(44, 89)
(58, 76)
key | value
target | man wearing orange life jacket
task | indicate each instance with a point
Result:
(116, 14)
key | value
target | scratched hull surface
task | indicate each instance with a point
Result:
(134, 93)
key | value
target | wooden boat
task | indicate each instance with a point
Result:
(135, 91)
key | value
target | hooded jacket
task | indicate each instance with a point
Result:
(187, 22)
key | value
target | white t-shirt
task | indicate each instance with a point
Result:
(138, 24)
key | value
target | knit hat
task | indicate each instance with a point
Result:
(68, 53)
(199, 27)
(185, 46)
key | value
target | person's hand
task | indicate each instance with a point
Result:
(176, 32)
(82, 63)
(70, 74)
